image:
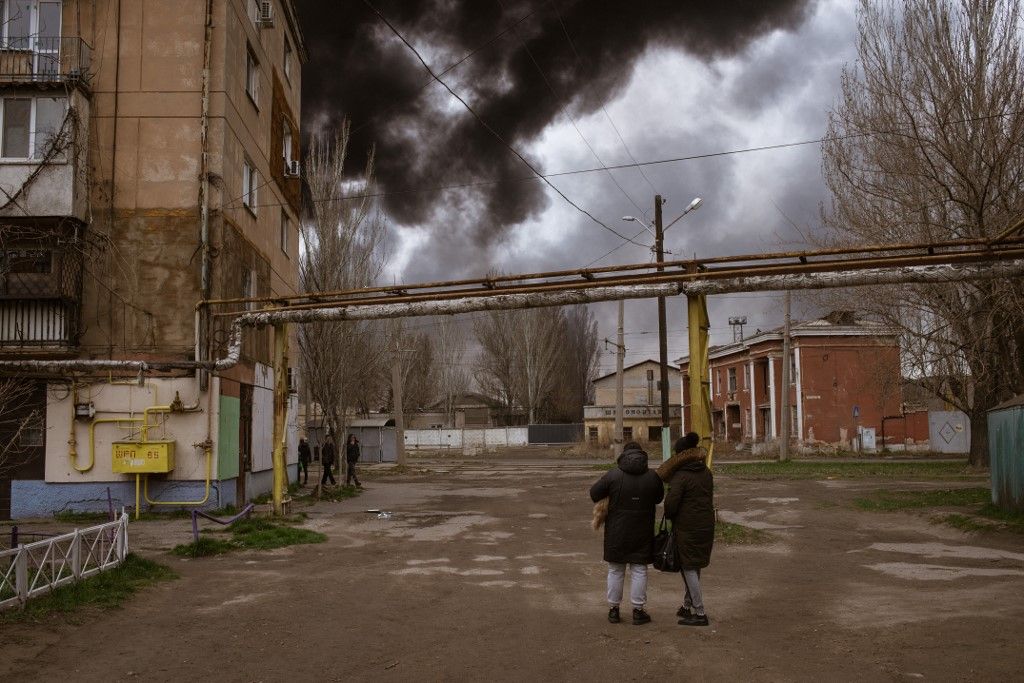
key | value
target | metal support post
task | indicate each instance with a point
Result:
(786, 418)
(280, 415)
(659, 245)
(620, 355)
(396, 390)
(76, 555)
(700, 390)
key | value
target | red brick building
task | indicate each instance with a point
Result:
(845, 376)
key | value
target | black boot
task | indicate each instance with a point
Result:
(640, 616)
(613, 615)
(694, 620)
(684, 611)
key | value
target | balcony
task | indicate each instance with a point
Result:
(40, 292)
(41, 61)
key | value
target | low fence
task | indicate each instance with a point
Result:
(492, 437)
(36, 568)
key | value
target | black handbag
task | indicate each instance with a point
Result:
(666, 559)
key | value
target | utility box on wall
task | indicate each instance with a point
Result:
(143, 457)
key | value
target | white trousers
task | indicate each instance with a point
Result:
(637, 583)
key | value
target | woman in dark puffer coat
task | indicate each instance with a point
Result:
(691, 507)
(633, 493)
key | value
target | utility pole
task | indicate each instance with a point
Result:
(785, 417)
(659, 246)
(620, 356)
(396, 395)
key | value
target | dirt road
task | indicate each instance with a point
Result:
(490, 572)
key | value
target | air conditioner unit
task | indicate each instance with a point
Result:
(266, 13)
(291, 168)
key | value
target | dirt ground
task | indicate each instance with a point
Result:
(489, 571)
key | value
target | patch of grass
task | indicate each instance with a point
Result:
(1014, 521)
(889, 501)
(887, 469)
(106, 590)
(964, 522)
(338, 493)
(254, 533)
(258, 534)
(737, 534)
(204, 547)
(158, 515)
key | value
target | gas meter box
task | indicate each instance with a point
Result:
(143, 457)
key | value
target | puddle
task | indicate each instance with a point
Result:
(537, 515)
(440, 560)
(744, 519)
(489, 558)
(942, 551)
(776, 501)
(938, 572)
(530, 571)
(431, 571)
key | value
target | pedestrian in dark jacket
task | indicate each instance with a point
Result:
(633, 492)
(305, 457)
(690, 504)
(351, 458)
(327, 458)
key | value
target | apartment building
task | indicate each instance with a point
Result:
(844, 378)
(149, 159)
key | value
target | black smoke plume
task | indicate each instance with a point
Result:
(586, 49)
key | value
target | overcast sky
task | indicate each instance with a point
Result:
(673, 94)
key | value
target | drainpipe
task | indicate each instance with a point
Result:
(202, 321)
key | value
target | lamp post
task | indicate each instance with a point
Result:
(659, 250)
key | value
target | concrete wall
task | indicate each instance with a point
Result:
(636, 390)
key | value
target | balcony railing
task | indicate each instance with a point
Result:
(40, 292)
(35, 59)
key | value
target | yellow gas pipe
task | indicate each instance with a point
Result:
(176, 406)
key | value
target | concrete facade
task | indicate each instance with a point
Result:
(128, 188)
(845, 377)
(641, 402)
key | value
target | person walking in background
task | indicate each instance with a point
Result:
(690, 505)
(305, 457)
(351, 458)
(633, 492)
(327, 460)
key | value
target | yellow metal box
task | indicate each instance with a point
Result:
(143, 457)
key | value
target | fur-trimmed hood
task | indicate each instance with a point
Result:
(692, 458)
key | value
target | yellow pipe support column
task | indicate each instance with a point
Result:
(137, 476)
(280, 414)
(700, 391)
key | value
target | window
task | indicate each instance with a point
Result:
(252, 77)
(250, 185)
(30, 126)
(627, 433)
(286, 227)
(792, 368)
(714, 383)
(249, 288)
(287, 59)
(654, 434)
(252, 8)
(31, 435)
(286, 143)
(592, 434)
(732, 380)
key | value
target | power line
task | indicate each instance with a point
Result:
(565, 111)
(615, 167)
(572, 46)
(493, 132)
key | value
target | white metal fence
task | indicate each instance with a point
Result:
(466, 438)
(36, 568)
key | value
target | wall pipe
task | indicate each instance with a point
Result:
(202, 323)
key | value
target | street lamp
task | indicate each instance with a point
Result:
(634, 219)
(693, 206)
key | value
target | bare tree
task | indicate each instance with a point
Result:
(452, 375)
(925, 145)
(539, 360)
(414, 352)
(21, 424)
(342, 248)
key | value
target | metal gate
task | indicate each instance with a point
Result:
(949, 431)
